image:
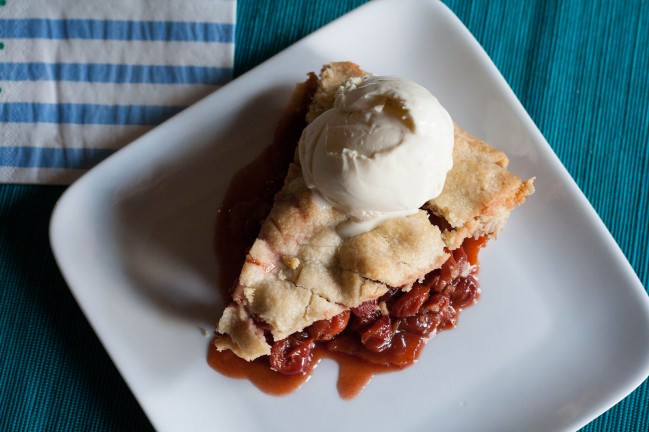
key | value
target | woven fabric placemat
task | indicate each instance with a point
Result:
(579, 69)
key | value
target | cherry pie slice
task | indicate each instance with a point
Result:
(380, 295)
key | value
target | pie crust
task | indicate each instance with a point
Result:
(301, 270)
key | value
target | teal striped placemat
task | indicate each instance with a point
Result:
(579, 67)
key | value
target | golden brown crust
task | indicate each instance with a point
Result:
(294, 275)
(300, 269)
(332, 76)
(397, 252)
(479, 192)
(237, 332)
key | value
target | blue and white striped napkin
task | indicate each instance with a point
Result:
(80, 79)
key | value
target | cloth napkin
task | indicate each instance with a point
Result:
(81, 79)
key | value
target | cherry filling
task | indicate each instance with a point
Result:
(397, 337)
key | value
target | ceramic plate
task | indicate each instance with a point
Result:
(561, 332)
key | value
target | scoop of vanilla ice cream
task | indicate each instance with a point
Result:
(382, 151)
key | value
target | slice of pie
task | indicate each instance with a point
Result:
(379, 295)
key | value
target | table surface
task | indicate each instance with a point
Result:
(578, 67)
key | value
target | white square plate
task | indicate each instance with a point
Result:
(561, 332)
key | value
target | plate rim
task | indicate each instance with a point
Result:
(78, 187)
